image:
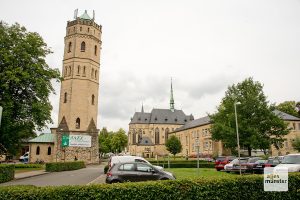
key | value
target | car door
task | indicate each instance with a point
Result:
(126, 172)
(146, 172)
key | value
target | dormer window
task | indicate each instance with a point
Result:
(139, 119)
(155, 118)
(185, 120)
(176, 120)
(145, 119)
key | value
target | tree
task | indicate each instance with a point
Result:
(173, 145)
(25, 85)
(289, 107)
(258, 125)
(296, 144)
(119, 141)
(104, 141)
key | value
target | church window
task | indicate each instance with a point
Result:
(38, 150)
(69, 70)
(80, 28)
(88, 29)
(95, 50)
(78, 69)
(92, 74)
(65, 97)
(78, 123)
(93, 99)
(83, 71)
(82, 48)
(140, 136)
(69, 47)
(156, 136)
(166, 134)
(95, 74)
(66, 71)
(49, 150)
(133, 137)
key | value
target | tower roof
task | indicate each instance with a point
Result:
(85, 16)
(172, 108)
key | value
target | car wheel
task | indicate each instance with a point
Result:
(115, 181)
(218, 169)
(163, 179)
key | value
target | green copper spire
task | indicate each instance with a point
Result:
(85, 16)
(172, 99)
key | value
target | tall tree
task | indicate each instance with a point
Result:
(289, 107)
(105, 141)
(173, 145)
(119, 141)
(258, 126)
(25, 84)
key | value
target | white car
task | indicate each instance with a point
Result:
(291, 162)
(121, 159)
(228, 167)
(24, 157)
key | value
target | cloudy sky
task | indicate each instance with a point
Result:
(204, 45)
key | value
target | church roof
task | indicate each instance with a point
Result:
(43, 138)
(161, 116)
(195, 123)
(286, 116)
(85, 16)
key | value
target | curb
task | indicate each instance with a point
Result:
(32, 175)
(97, 180)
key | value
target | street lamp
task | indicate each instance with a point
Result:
(237, 135)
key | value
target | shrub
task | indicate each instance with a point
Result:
(245, 187)
(106, 169)
(28, 166)
(185, 164)
(64, 166)
(7, 172)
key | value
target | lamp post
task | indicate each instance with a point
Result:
(237, 135)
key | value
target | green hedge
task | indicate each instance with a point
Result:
(244, 187)
(29, 166)
(180, 161)
(64, 166)
(7, 172)
(186, 165)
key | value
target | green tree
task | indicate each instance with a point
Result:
(258, 125)
(105, 141)
(289, 107)
(296, 144)
(119, 141)
(25, 85)
(173, 145)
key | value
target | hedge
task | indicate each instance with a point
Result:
(28, 166)
(64, 166)
(7, 172)
(186, 165)
(244, 187)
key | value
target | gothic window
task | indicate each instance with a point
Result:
(95, 74)
(78, 70)
(65, 97)
(92, 74)
(78, 123)
(69, 47)
(166, 134)
(38, 150)
(82, 48)
(95, 50)
(133, 137)
(140, 136)
(156, 136)
(88, 29)
(49, 150)
(66, 71)
(93, 99)
(69, 70)
(83, 71)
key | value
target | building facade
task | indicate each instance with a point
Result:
(76, 137)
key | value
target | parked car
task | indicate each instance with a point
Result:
(121, 159)
(271, 162)
(24, 157)
(291, 161)
(228, 167)
(221, 161)
(136, 171)
(246, 165)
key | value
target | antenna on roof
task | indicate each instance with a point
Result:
(75, 13)
(93, 14)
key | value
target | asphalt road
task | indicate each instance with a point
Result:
(90, 174)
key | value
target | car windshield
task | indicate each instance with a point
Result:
(291, 159)
(236, 161)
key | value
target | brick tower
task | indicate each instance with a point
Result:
(78, 104)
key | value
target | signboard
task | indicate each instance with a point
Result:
(80, 141)
(65, 141)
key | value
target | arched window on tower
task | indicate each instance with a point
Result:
(69, 47)
(78, 123)
(49, 151)
(83, 73)
(92, 74)
(70, 71)
(66, 71)
(88, 30)
(166, 135)
(156, 136)
(95, 74)
(78, 70)
(37, 150)
(65, 97)
(93, 99)
(95, 50)
(82, 47)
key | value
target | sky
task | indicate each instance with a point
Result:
(204, 45)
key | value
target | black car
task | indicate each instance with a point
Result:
(271, 162)
(134, 172)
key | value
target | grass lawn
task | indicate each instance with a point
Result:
(21, 170)
(184, 173)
